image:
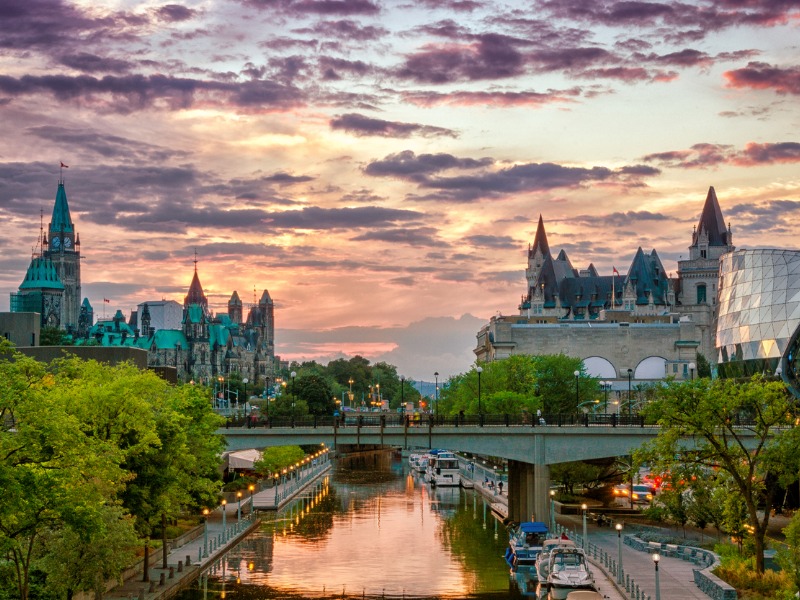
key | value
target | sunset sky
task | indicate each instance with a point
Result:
(378, 165)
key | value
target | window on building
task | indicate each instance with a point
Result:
(703, 253)
(701, 293)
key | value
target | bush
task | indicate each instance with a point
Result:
(738, 570)
(656, 512)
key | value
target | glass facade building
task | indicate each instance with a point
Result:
(759, 314)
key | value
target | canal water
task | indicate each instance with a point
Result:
(371, 529)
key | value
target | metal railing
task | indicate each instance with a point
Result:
(385, 420)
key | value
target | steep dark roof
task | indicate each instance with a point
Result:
(235, 300)
(540, 240)
(265, 299)
(711, 222)
(196, 294)
(648, 276)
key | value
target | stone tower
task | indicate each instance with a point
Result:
(63, 250)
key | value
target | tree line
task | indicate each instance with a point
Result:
(93, 460)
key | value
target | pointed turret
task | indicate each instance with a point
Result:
(711, 223)
(235, 308)
(196, 294)
(540, 240)
(61, 221)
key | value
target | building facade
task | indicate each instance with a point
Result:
(641, 324)
(758, 327)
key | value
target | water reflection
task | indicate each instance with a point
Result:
(370, 530)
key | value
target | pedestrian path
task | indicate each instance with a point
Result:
(223, 528)
(675, 576)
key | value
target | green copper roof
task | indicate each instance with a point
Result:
(218, 334)
(41, 274)
(61, 220)
(169, 339)
(194, 314)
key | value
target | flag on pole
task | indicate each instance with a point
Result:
(63, 166)
(615, 271)
(613, 287)
(106, 300)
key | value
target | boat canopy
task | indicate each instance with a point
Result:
(533, 527)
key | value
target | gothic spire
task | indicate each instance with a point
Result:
(711, 223)
(540, 240)
(61, 221)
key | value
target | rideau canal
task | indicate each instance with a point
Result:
(371, 528)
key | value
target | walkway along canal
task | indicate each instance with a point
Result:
(207, 544)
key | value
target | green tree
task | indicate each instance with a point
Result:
(788, 556)
(740, 429)
(274, 459)
(316, 394)
(576, 474)
(53, 336)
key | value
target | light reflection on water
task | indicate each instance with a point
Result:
(373, 529)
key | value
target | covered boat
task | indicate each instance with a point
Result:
(568, 571)
(524, 543)
(543, 560)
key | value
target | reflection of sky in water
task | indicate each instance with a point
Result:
(383, 537)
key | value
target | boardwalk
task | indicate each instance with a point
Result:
(223, 529)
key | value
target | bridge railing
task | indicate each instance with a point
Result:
(395, 420)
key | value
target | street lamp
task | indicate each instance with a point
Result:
(293, 374)
(238, 507)
(619, 552)
(692, 367)
(402, 394)
(479, 370)
(606, 385)
(350, 393)
(577, 392)
(244, 381)
(436, 392)
(252, 489)
(657, 558)
(224, 520)
(553, 511)
(205, 533)
(583, 508)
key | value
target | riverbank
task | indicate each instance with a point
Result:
(196, 550)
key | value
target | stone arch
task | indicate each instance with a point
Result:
(597, 366)
(652, 367)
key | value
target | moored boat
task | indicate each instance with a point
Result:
(543, 559)
(443, 469)
(568, 571)
(524, 543)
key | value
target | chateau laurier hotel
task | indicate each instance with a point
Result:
(639, 323)
(198, 344)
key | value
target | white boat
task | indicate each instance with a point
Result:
(443, 469)
(542, 565)
(418, 462)
(568, 571)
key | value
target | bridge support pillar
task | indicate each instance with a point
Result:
(528, 491)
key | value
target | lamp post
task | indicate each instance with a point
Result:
(293, 374)
(221, 394)
(656, 558)
(692, 367)
(479, 370)
(778, 372)
(224, 520)
(252, 489)
(402, 393)
(577, 390)
(238, 507)
(553, 511)
(350, 393)
(619, 552)
(436, 392)
(205, 533)
(583, 508)
(630, 372)
(606, 385)
(246, 402)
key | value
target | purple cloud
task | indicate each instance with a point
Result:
(360, 125)
(407, 165)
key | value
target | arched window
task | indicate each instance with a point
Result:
(701, 293)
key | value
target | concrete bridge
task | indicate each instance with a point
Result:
(530, 448)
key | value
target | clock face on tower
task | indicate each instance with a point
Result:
(67, 242)
(55, 242)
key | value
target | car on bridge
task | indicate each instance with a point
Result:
(641, 493)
